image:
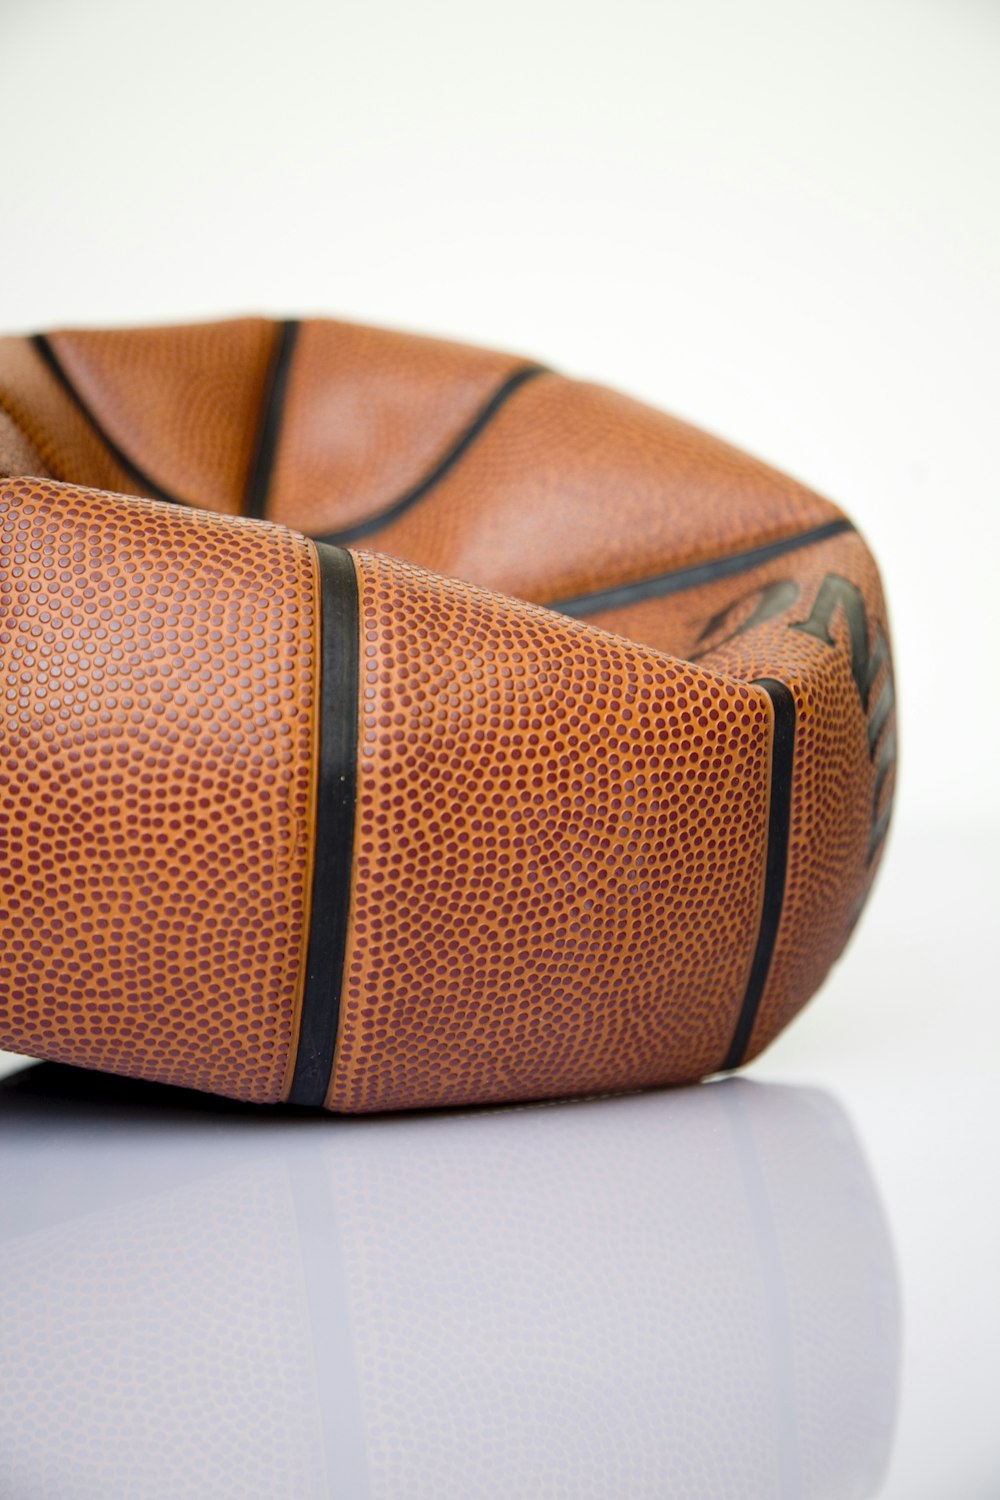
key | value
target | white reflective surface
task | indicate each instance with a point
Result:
(664, 1295)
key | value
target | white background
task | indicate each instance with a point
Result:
(781, 220)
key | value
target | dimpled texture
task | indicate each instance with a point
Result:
(17, 455)
(368, 411)
(181, 402)
(833, 804)
(573, 487)
(469, 930)
(568, 487)
(157, 673)
(56, 438)
(559, 852)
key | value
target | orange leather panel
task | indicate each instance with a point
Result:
(157, 671)
(367, 412)
(573, 487)
(559, 852)
(834, 778)
(182, 403)
(51, 425)
(17, 454)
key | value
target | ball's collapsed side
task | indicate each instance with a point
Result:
(338, 819)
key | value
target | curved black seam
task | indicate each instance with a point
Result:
(150, 488)
(659, 585)
(775, 865)
(433, 477)
(334, 832)
(272, 406)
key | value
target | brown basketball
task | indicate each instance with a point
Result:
(557, 757)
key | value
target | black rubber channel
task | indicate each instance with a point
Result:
(461, 445)
(150, 488)
(272, 408)
(776, 863)
(335, 796)
(658, 585)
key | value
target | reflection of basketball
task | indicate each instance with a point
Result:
(668, 1295)
(287, 820)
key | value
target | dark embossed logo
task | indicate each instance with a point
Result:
(868, 657)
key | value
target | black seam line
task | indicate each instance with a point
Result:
(334, 833)
(150, 488)
(272, 407)
(675, 582)
(461, 445)
(775, 865)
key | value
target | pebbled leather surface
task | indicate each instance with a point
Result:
(471, 940)
(367, 413)
(834, 774)
(558, 854)
(573, 487)
(182, 403)
(157, 671)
